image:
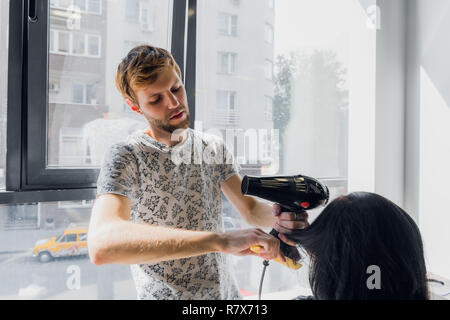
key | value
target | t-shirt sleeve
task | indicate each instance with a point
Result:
(230, 166)
(118, 173)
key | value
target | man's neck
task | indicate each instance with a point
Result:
(164, 136)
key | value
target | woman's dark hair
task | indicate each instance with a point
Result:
(355, 232)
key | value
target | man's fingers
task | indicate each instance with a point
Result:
(276, 209)
(290, 225)
(293, 216)
(281, 256)
(286, 240)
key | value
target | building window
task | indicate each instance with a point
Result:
(85, 6)
(75, 43)
(268, 108)
(75, 204)
(77, 93)
(132, 10)
(227, 24)
(269, 33)
(63, 42)
(78, 44)
(93, 45)
(72, 148)
(236, 3)
(226, 62)
(84, 94)
(145, 20)
(226, 100)
(268, 69)
(94, 6)
(80, 4)
(52, 41)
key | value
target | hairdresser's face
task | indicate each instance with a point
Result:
(163, 103)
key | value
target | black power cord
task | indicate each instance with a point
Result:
(265, 263)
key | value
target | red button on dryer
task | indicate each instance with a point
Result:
(304, 204)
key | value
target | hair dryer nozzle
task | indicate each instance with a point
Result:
(295, 193)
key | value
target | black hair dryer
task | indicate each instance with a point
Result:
(294, 194)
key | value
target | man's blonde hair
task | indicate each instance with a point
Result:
(141, 67)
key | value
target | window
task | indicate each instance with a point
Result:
(145, 19)
(94, 6)
(78, 93)
(26, 230)
(63, 45)
(4, 45)
(268, 69)
(93, 45)
(227, 62)
(84, 93)
(80, 96)
(81, 4)
(268, 108)
(75, 204)
(82, 237)
(305, 74)
(132, 10)
(236, 3)
(85, 6)
(269, 33)
(72, 237)
(74, 43)
(72, 148)
(226, 100)
(227, 24)
(78, 43)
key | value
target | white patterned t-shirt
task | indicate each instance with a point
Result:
(176, 187)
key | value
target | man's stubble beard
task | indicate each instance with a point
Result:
(165, 126)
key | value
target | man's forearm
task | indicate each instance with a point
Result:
(261, 215)
(126, 242)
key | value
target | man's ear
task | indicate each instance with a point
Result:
(133, 107)
(129, 102)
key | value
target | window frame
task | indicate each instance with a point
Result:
(27, 177)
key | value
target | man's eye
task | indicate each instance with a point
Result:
(176, 89)
(156, 101)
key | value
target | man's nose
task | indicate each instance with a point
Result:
(173, 101)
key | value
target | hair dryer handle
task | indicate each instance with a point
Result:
(287, 250)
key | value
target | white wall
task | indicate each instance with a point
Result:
(390, 101)
(428, 129)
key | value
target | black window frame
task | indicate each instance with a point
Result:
(27, 177)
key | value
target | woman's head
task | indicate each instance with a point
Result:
(359, 239)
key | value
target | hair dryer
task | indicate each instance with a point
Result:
(294, 194)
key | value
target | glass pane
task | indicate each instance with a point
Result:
(80, 4)
(291, 87)
(78, 43)
(63, 41)
(4, 18)
(38, 262)
(88, 40)
(94, 6)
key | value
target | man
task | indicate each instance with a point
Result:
(165, 219)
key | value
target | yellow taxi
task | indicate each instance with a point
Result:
(72, 242)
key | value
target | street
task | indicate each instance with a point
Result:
(24, 277)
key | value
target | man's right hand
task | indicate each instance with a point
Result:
(239, 242)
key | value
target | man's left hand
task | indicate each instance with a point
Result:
(288, 222)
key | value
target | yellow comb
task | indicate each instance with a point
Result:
(289, 262)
